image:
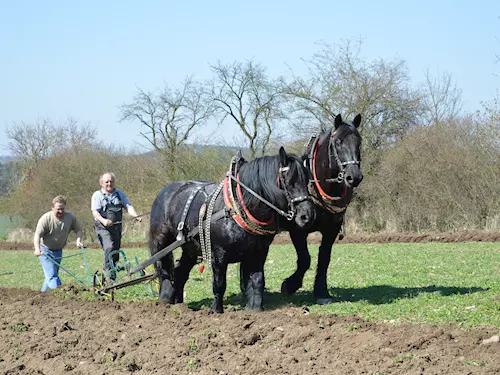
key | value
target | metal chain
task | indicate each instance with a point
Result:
(207, 256)
(201, 216)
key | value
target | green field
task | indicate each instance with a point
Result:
(428, 282)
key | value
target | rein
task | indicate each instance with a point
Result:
(132, 218)
(289, 215)
(240, 212)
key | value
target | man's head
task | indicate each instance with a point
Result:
(107, 181)
(59, 206)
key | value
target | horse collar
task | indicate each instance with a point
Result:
(240, 213)
(236, 206)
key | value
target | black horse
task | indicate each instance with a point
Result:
(334, 159)
(234, 221)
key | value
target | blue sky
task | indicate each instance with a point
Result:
(85, 59)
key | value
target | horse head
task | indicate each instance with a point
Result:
(345, 151)
(293, 178)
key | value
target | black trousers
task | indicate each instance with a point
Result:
(110, 239)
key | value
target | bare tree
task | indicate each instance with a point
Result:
(340, 82)
(488, 121)
(442, 100)
(243, 92)
(75, 135)
(169, 117)
(30, 143)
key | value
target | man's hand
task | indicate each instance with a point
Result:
(108, 223)
(37, 252)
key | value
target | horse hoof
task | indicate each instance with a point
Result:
(167, 292)
(287, 290)
(324, 301)
(254, 308)
(284, 290)
(217, 309)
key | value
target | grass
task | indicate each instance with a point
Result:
(419, 283)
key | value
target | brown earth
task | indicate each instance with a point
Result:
(283, 238)
(44, 333)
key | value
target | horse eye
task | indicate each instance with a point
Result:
(292, 175)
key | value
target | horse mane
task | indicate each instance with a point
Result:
(342, 131)
(261, 175)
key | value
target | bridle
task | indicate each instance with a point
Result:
(292, 201)
(335, 204)
(340, 164)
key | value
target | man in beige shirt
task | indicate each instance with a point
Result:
(51, 235)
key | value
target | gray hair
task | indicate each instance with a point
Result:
(113, 177)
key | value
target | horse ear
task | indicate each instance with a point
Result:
(283, 156)
(357, 120)
(338, 121)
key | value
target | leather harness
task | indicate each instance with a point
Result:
(335, 205)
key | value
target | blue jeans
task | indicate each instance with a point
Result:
(50, 260)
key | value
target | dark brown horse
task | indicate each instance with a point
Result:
(334, 159)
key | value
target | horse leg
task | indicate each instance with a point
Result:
(244, 278)
(294, 282)
(181, 273)
(256, 300)
(253, 283)
(325, 251)
(219, 284)
(163, 268)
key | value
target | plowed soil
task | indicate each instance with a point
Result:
(42, 333)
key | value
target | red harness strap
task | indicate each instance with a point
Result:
(316, 180)
(229, 206)
(239, 220)
(250, 216)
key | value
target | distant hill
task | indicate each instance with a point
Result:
(222, 149)
(226, 150)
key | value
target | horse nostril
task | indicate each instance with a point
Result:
(306, 220)
(358, 180)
